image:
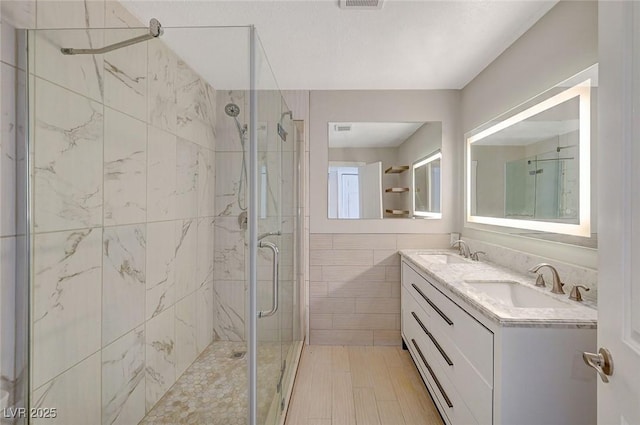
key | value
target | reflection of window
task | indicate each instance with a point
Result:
(344, 196)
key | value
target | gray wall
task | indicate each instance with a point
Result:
(561, 44)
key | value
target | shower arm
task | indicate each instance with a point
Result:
(155, 31)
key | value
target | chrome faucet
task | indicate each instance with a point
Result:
(557, 283)
(463, 248)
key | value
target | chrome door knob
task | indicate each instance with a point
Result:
(601, 362)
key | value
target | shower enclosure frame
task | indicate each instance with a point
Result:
(253, 231)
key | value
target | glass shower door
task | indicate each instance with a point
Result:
(270, 271)
(277, 289)
(277, 223)
(290, 329)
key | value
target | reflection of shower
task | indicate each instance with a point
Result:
(233, 111)
(281, 131)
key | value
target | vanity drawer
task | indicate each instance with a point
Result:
(473, 340)
(445, 358)
(451, 404)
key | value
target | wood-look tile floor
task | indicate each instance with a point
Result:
(338, 385)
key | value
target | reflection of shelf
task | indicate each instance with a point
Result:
(397, 189)
(396, 169)
(397, 212)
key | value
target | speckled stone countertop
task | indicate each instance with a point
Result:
(452, 276)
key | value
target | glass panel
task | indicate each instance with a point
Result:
(126, 147)
(269, 106)
(277, 156)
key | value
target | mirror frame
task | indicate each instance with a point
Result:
(581, 90)
(430, 158)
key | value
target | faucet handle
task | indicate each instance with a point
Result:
(460, 244)
(474, 255)
(575, 292)
(540, 280)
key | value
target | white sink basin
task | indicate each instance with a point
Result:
(442, 258)
(516, 295)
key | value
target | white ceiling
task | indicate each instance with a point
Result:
(315, 45)
(371, 134)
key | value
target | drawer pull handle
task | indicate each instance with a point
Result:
(435, 307)
(433, 339)
(446, 398)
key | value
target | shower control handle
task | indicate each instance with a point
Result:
(276, 279)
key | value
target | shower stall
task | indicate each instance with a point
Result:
(156, 277)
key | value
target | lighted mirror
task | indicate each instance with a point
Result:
(427, 193)
(370, 173)
(532, 168)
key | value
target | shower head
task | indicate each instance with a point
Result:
(232, 110)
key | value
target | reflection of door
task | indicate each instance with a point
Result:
(344, 191)
(348, 193)
(370, 181)
(619, 210)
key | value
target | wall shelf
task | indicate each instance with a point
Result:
(397, 189)
(397, 169)
(397, 212)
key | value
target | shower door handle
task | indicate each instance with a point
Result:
(276, 279)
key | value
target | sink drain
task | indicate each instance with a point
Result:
(238, 354)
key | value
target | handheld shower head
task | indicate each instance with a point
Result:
(232, 110)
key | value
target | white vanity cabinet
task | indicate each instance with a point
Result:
(480, 371)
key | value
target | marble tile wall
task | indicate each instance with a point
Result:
(230, 250)
(124, 212)
(354, 288)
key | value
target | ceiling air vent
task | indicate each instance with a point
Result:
(360, 4)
